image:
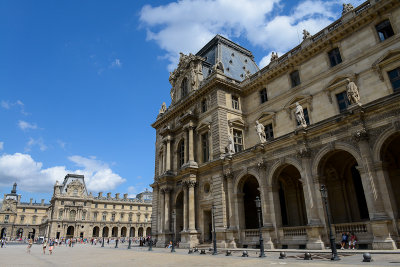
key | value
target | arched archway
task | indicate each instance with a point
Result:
(289, 197)
(31, 235)
(338, 171)
(248, 190)
(140, 232)
(179, 215)
(390, 157)
(3, 233)
(70, 232)
(96, 231)
(123, 232)
(105, 232)
(114, 232)
(132, 232)
(148, 231)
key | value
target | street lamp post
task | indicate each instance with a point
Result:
(102, 243)
(324, 194)
(173, 231)
(214, 233)
(258, 205)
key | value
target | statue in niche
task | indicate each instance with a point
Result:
(274, 56)
(163, 108)
(352, 92)
(231, 145)
(347, 8)
(261, 132)
(300, 115)
(306, 34)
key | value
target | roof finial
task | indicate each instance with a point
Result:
(14, 190)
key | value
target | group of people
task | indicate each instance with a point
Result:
(349, 238)
(49, 244)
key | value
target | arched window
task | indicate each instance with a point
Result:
(181, 153)
(184, 87)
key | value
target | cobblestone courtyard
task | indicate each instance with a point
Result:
(87, 255)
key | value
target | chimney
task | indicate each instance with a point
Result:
(109, 195)
(100, 194)
(42, 202)
(125, 196)
(30, 201)
(117, 195)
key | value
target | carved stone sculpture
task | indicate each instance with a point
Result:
(306, 34)
(261, 132)
(219, 66)
(274, 56)
(347, 8)
(231, 145)
(300, 115)
(163, 108)
(352, 92)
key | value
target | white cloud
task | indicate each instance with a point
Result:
(23, 125)
(32, 177)
(187, 25)
(1, 145)
(61, 143)
(5, 104)
(116, 63)
(35, 142)
(8, 105)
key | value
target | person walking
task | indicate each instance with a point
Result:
(28, 249)
(51, 246)
(44, 246)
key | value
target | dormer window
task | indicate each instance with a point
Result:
(184, 88)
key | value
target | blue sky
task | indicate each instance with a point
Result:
(81, 81)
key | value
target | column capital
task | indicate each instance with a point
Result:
(189, 183)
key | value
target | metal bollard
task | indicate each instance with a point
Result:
(367, 257)
(307, 256)
(228, 253)
(245, 253)
(129, 243)
(190, 251)
(196, 250)
(282, 255)
(203, 252)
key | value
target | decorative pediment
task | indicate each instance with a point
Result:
(338, 81)
(266, 116)
(76, 188)
(203, 127)
(189, 67)
(237, 122)
(389, 57)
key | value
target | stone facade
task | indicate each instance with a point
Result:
(209, 154)
(73, 212)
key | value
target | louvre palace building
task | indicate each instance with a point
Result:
(325, 113)
(73, 212)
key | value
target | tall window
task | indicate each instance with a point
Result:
(113, 217)
(113, 206)
(35, 210)
(238, 140)
(295, 78)
(235, 102)
(130, 207)
(105, 206)
(6, 218)
(394, 76)
(305, 112)
(83, 215)
(122, 216)
(384, 30)
(181, 153)
(184, 87)
(263, 95)
(204, 105)
(22, 219)
(138, 217)
(130, 217)
(96, 205)
(342, 100)
(23, 209)
(334, 57)
(104, 217)
(60, 215)
(269, 133)
(72, 215)
(205, 147)
(95, 216)
(33, 219)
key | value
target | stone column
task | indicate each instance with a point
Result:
(191, 144)
(192, 216)
(166, 210)
(231, 218)
(168, 155)
(185, 208)
(161, 207)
